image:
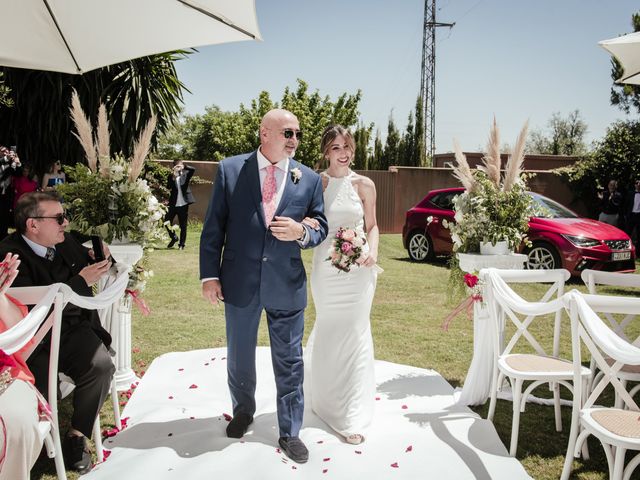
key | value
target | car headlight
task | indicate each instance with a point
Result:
(582, 241)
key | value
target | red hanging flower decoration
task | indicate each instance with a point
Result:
(470, 280)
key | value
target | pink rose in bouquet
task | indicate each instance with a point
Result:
(346, 248)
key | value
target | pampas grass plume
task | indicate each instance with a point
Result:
(516, 159)
(141, 149)
(84, 130)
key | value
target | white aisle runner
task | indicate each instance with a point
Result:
(176, 430)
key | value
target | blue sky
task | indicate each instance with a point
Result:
(516, 60)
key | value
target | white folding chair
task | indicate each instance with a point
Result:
(15, 338)
(619, 324)
(617, 429)
(540, 367)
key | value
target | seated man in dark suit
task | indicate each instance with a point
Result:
(49, 255)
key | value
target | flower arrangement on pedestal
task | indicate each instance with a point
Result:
(107, 197)
(493, 208)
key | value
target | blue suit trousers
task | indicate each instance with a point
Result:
(286, 329)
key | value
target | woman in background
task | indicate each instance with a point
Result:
(53, 177)
(24, 182)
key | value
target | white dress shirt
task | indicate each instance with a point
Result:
(38, 249)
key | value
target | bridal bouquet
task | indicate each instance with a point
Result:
(346, 248)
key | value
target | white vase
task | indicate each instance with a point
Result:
(499, 248)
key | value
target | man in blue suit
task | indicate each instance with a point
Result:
(250, 259)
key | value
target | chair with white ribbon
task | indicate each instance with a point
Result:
(619, 323)
(524, 359)
(618, 429)
(34, 327)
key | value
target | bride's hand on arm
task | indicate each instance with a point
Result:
(311, 223)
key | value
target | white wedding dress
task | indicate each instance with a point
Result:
(339, 353)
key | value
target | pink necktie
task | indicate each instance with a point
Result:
(269, 188)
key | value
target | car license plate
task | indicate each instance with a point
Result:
(620, 256)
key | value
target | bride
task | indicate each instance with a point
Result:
(339, 352)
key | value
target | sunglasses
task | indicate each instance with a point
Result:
(60, 218)
(289, 133)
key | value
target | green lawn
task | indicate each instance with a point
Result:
(410, 304)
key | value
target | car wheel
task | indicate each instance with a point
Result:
(420, 247)
(542, 256)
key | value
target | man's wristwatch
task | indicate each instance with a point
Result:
(304, 231)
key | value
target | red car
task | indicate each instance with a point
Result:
(562, 241)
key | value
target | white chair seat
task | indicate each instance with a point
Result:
(621, 427)
(538, 367)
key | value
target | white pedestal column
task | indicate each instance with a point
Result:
(118, 320)
(477, 385)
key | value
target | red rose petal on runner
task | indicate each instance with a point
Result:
(105, 454)
(404, 407)
(377, 398)
(325, 470)
(227, 417)
(193, 385)
(409, 448)
(395, 465)
(170, 397)
(359, 452)
(326, 459)
(181, 369)
(320, 441)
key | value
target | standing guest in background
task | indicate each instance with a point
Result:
(19, 404)
(53, 177)
(610, 204)
(24, 182)
(9, 163)
(179, 200)
(49, 255)
(632, 214)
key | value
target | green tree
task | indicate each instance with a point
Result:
(419, 156)
(392, 153)
(625, 96)
(378, 152)
(616, 156)
(315, 113)
(362, 138)
(132, 91)
(565, 136)
(216, 134)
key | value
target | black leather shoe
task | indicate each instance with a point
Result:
(76, 454)
(180, 247)
(294, 449)
(172, 242)
(239, 425)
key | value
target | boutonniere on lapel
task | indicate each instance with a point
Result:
(296, 175)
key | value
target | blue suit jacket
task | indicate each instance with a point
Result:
(237, 247)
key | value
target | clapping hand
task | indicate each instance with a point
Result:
(8, 272)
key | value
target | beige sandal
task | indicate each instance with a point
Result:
(354, 438)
